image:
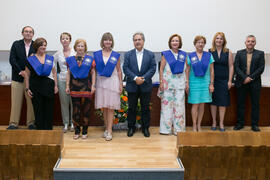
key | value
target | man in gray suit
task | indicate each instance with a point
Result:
(139, 68)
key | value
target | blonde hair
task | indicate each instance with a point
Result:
(106, 36)
(79, 41)
(213, 48)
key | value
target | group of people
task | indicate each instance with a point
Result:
(206, 76)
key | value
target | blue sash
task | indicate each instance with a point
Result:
(199, 67)
(82, 71)
(102, 69)
(176, 65)
(41, 69)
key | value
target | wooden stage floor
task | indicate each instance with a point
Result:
(158, 151)
(122, 152)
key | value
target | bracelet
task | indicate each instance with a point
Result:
(26, 89)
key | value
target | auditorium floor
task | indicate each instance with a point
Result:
(158, 151)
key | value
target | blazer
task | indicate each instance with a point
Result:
(256, 67)
(17, 59)
(131, 70)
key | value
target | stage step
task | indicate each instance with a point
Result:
(118, 173)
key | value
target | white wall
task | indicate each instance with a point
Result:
(158, 19)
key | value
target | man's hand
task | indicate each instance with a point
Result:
(247, 80)
(22, 73)
(139, 80)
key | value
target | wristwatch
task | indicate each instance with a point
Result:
(26, 89)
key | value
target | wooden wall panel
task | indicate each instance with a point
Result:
(230, 117)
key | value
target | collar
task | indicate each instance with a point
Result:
(137, 52)
(27, 44)
(249, 52)
(173, 52)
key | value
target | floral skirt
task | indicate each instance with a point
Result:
(172, 114)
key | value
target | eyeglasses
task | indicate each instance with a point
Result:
(28, 32)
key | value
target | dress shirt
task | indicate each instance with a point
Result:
(139, 55)
(27, 47)
(249, 57)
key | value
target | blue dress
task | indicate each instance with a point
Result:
(199, 86)
(221, 95)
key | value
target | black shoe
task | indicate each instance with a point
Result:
(146, 132)
(32, 127)
(255, 129)
(238, 127)
(11, 127)
(130, 132)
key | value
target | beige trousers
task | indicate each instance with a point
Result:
(17, 92)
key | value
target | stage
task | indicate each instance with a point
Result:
(124, 157)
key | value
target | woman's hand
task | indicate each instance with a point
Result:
(120, 88)
(67, 90)
(229, 84)
(187, 87)
(93, 89)
(211, 88)
(29, 93)
(55, 89)
(161, 86)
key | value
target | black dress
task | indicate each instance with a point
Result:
(221, 94)
(42, 88)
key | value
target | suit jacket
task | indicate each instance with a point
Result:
(256, 67)
(131, 70)
(17, 59)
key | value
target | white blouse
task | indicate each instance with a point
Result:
(60, 58)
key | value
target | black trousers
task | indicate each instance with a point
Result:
(254, 92)
(43, 110)
(145, 109)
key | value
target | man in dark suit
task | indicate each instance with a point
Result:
(19, 52)
(249, 65)
(139, 67)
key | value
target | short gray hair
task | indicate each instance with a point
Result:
(138, 33)
(251, 36)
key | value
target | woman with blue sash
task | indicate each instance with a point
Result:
(223, 67)
(41, 84)
(172, 87)
(65, 99)
(109, 82)
(200, 80)
(80, 84)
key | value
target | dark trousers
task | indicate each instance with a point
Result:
(254, 93)
(145, 109)
(43, 110)
(81, 106)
